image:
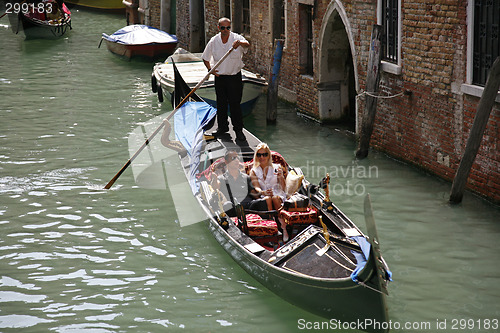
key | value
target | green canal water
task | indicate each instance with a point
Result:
(75, 257)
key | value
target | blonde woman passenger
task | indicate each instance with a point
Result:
(268, 180)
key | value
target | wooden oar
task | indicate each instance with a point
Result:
(148, 140)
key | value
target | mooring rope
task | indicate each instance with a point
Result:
(379, 96)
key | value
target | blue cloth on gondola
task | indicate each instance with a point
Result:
(139, 34)
(361, 258)
(189, 121)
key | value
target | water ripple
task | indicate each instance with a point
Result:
(88, 327)
(155, 250)
(14, 296)
(39, 184)
(106, 282)
(21, 321)
(41, 225)
(111, 219)
(107, 317)
(10, 282)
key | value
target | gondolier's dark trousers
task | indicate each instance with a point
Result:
(229, 90)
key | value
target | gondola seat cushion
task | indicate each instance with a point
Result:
(278, 159)
(216, 168)
(307, 217)
(258, 227)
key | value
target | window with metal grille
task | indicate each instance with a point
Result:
(390, 21)
(282, 19)
(306, 39)
(227, 9)
(278, 19)
(246, 17)
(486, 40)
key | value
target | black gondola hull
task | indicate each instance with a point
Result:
(334, 299)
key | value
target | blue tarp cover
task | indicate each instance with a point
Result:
(139, 34)
(362, 258)
(189, 121)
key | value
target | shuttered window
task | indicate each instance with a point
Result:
(486, 39)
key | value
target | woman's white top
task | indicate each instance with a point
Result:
(270, 181)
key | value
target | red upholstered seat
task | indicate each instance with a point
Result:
(258, 227)
(219, 166)
(276, 159)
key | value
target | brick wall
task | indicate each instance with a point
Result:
(183, 23)
(485, 174)
(429, 126)
(154, 13)
(211, 18)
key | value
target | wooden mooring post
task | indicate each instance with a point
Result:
(476, 133)
(272, 88)
(372, 83)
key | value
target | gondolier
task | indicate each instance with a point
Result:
(228, 84)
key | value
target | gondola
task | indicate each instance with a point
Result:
(328, 267)
(46, 20)
(140, 41)
(192, 70)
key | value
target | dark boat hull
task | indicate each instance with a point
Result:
(340, 299)
(34, 29)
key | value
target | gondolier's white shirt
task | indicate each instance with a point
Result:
(216, 49)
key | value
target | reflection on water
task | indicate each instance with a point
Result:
(76, 257)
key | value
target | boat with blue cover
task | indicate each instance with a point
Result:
(140, 40)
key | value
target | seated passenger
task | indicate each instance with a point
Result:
(235, 185)
(269, 181)
(267, 178)
(52, 10)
